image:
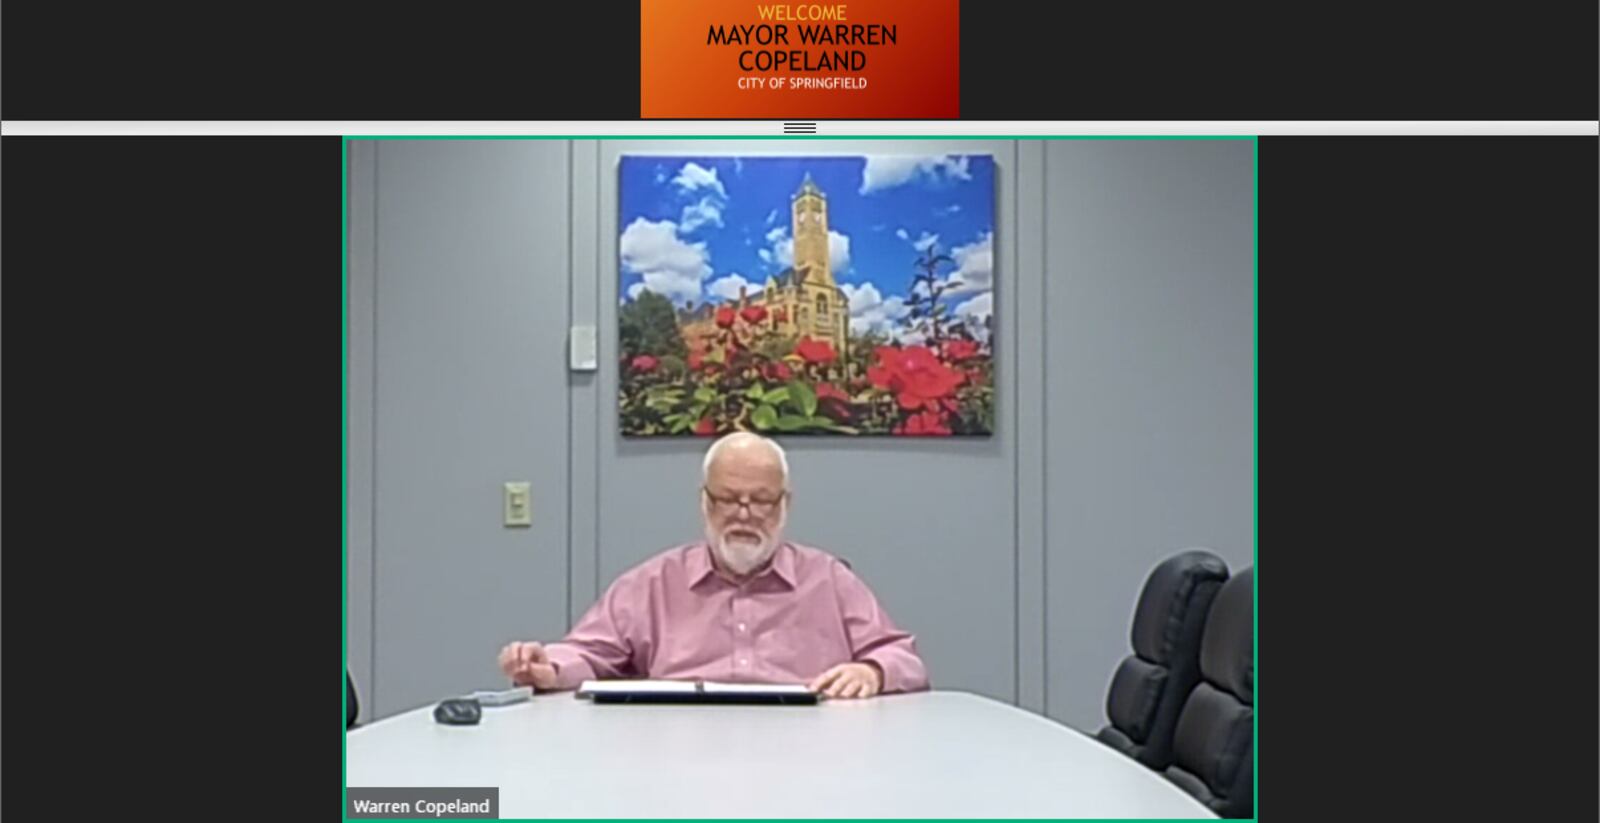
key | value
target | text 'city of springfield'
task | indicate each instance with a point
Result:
(830, 28)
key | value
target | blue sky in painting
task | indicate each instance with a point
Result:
(696, 228)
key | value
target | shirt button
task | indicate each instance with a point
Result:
(743, 662)
(741, 627)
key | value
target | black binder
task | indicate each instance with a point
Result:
(695, 692)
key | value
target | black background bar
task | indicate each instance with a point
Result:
(474, 60)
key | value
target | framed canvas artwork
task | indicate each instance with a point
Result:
(833, 295)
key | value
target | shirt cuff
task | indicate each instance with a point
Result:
(571, 667)
(891, 682)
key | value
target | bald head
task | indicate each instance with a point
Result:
(750, 453)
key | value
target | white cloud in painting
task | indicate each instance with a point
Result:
(704, 213)
(838, 252)
(903, 235)
(727, 288)
(669, 266)
(888, 171)
(871, 313)
(907, 336)
(782, 254)
(779, 253)
(974, 265)
(922, 243)
(693, 177)
(974, 312)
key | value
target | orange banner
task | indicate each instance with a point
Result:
(860, 59)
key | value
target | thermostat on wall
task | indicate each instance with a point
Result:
(581, 349)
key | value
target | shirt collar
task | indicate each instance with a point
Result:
(700, 566)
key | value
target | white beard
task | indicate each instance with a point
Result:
(742, 556)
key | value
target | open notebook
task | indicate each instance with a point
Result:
(693, 691)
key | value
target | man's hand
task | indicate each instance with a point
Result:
(848, 680)
(528, 665)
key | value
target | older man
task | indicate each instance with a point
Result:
(743, 605)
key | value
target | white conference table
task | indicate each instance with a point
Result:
(933, 754)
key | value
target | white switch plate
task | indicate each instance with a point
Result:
(581, 349)
(518, 504)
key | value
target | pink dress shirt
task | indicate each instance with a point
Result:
(673, 617)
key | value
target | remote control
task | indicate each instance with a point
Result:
(493, 698)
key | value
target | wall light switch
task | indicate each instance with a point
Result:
(518, 505)
(581, 349)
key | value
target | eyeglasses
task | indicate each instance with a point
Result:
(759, 505)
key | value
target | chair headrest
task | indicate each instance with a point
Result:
(1171, 591)
(1227, 653)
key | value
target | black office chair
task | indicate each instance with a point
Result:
(1150, 686)
(1213, 748)
(351, 709)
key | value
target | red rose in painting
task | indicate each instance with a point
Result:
(833, 401)
(645, 362)
(960, 349)
(754, 314)
(915, 375)
(828, 391)
(925, 424)
(879, 373)
(705, 426)
(815, 351)
(779, 371)
(725, 317)
(696, 357)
